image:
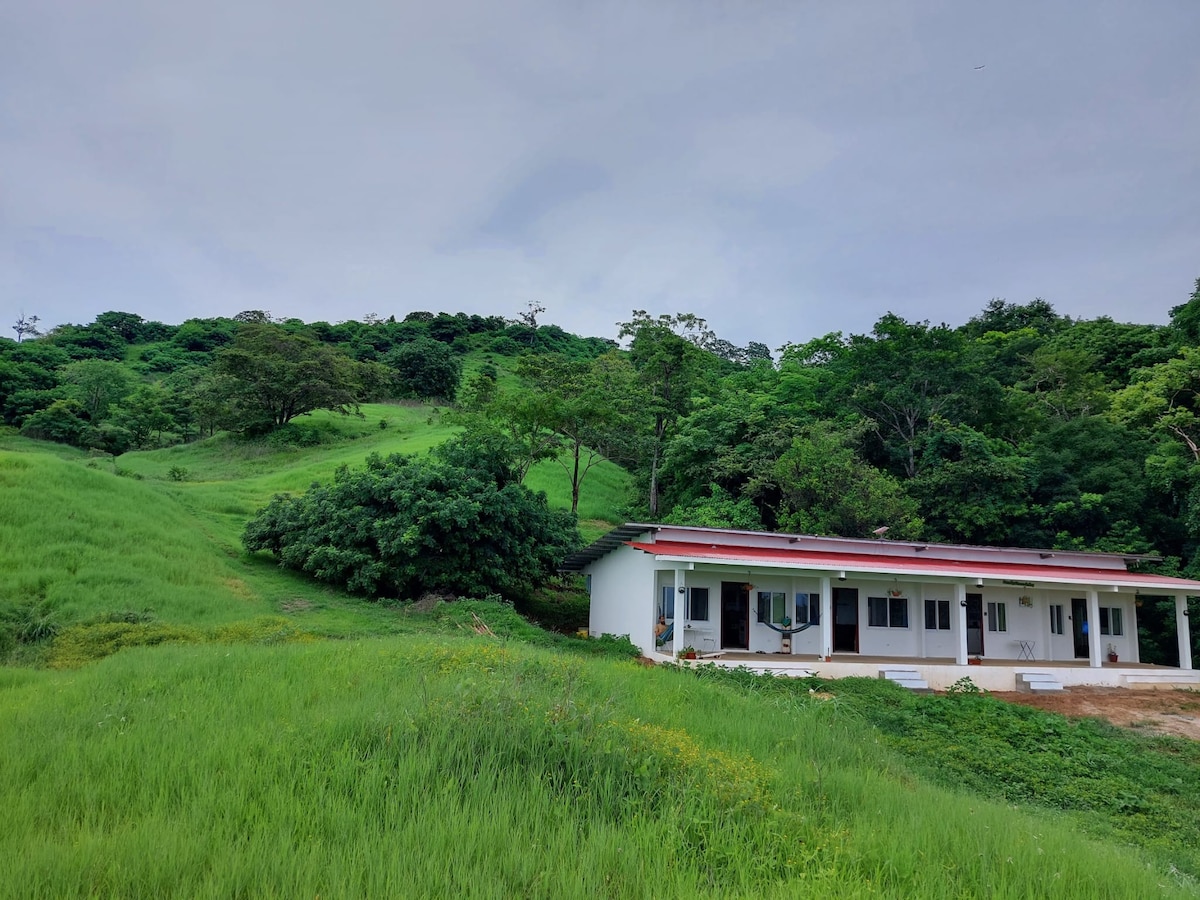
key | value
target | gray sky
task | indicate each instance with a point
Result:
(783, 169)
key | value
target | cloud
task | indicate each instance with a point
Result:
(780, 169)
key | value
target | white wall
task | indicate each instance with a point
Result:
(622, 596)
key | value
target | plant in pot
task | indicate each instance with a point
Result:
(687, 653)
(1112, 653)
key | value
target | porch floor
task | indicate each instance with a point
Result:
(764, 658)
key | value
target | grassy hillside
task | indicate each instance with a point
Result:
(462, 752)
(475, 767)
(161, 530)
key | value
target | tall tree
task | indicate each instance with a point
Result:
(666, 353)
(904, 377)
(275, 375)
(26, 326)
(587, 403)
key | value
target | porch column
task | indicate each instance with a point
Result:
(919, 618)
(1135, 654)
(826, 618)
(1185, 633)
(959, 608)
(1093, 627)
(680, 611)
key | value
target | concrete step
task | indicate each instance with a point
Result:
(1184, 678)
(906, 678)
(1037, 682)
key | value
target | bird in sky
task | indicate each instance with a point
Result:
(977, 68)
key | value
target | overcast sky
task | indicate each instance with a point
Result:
(783, 169)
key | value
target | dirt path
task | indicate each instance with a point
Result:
(1160, 712)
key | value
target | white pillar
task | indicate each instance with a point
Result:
(1185, 633)
(826, 618)
(919, 619)
(1042, 602)
(680, 593)
(1135, 654)
(959, 611)
(1093, 625)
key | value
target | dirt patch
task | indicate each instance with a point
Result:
(427, 601)
(1159, 712)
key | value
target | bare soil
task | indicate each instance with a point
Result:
(1158, 712)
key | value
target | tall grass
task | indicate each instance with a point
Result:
(84, 541)
(477, 768)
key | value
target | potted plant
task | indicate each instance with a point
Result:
(687, 653)
(1112, 653)
(974, 661)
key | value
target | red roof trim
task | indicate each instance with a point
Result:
(869, 562)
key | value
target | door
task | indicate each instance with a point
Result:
(735, 616)
(974, 614)
(845, 620)
(1079, 627)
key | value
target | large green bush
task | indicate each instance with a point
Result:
(458, 522)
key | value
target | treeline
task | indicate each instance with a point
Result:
(1020, 427)
(122, 382)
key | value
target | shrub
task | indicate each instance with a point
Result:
(461, 522)
(561, 607)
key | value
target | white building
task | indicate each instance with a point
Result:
(821, 599)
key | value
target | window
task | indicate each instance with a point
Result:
(1056, 619)
(887, 612)
(802, 610)
(937, 615)
(666, 606)
(772, 607)
(997, 617)
(1110, 620)
(698, 604)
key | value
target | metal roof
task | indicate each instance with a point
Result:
(598, 548)
(899, 566)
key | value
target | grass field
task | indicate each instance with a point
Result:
(282, 739)
(432, 767)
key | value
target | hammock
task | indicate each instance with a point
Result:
(785, 629)
(666, 635)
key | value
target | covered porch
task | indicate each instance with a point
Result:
(940, 673)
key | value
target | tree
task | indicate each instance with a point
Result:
(665, 352)
(1166, 397)
(97, 384)
(828, 490)
(586, 404)
(26, 326)
(143, 414)
(424, 369)
(904, 376)
(274, 376)
(1185, 318)
(1004, 317)
(458, 522)
(61, 422)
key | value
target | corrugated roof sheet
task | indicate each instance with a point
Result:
(895, 565)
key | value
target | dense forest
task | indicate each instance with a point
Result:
(1019, 427)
